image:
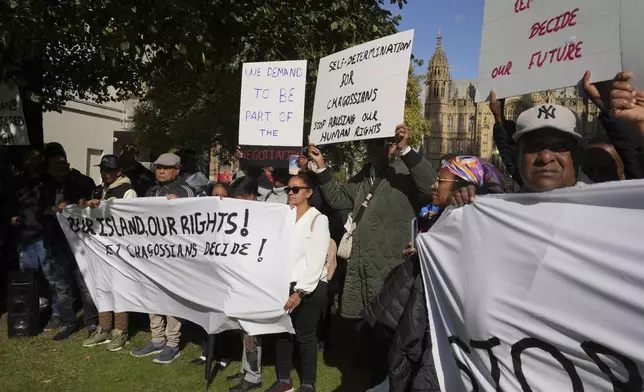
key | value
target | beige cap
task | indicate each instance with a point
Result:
(168, 159)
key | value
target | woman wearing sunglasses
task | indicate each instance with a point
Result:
(308, 252)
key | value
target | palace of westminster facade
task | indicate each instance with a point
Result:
(449, 106)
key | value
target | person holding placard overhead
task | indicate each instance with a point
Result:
(308, 253)
(384, 196)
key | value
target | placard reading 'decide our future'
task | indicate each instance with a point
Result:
(13, 128)
(360, 92)
(272, 103)
(536, 45)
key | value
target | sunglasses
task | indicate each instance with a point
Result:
(295, 189)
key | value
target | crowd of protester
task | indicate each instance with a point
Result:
(377, 284)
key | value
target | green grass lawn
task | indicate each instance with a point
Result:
(38, 364)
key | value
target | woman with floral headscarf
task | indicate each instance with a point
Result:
(460, 173)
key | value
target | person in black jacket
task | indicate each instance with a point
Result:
(141, 178)
(627, 142)
(62, 187)
(26, 215)
(502, 135)
(400, 309)
(168, 183)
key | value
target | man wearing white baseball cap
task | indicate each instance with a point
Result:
(550, 148)
(550, 152)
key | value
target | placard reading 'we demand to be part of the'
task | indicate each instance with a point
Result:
(272, 104)
(360, 91)
(537, 45)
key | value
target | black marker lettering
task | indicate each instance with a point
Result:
(231, 223)
(519, 347)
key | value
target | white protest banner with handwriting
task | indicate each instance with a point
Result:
(539, 292)
(529, 45)
(272, 104)
(360, 91)
(222, 264)
(13, 128)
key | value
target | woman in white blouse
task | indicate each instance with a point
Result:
(308, 252)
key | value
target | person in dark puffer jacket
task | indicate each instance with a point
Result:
(401, 307)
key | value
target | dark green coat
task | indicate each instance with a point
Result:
(385, 228)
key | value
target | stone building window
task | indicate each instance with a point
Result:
(450, 123)
(461, 123)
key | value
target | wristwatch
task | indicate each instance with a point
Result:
(301, 293)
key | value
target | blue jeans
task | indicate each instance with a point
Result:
(60, 271)
(34, 256)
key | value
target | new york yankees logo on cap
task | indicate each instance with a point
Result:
(548, 116)
(547, 112)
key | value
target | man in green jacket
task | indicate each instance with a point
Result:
(384, 229)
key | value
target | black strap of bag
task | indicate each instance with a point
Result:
(367, 200)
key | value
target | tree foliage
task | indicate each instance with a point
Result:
(201, 107)
(181, 58)
(418, 125)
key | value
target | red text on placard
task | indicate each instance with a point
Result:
(502, 70)
(521, 5)
(552, 25)
(568, 52)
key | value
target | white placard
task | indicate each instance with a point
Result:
(272, 104)
(536, 45)
(13, 128)
(632, 34)
(360, 91)
(222, 264)
(539, 292)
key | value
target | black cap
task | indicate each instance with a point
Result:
(109, 162)
(54, 149)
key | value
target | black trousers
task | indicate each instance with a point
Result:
(379, 339)
(305, 321)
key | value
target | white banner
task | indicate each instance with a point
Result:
(360, 91)
(537, 45)
(272, 104)
(13, 128)
(221, 264)
(539, 292)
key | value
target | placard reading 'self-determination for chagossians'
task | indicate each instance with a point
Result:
(272, 104)
(360, 91)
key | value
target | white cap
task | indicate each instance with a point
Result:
(548, 116)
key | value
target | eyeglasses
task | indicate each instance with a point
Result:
(438, 179)
(295, 189)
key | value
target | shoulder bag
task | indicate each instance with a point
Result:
(331, 260)
(346, 244)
